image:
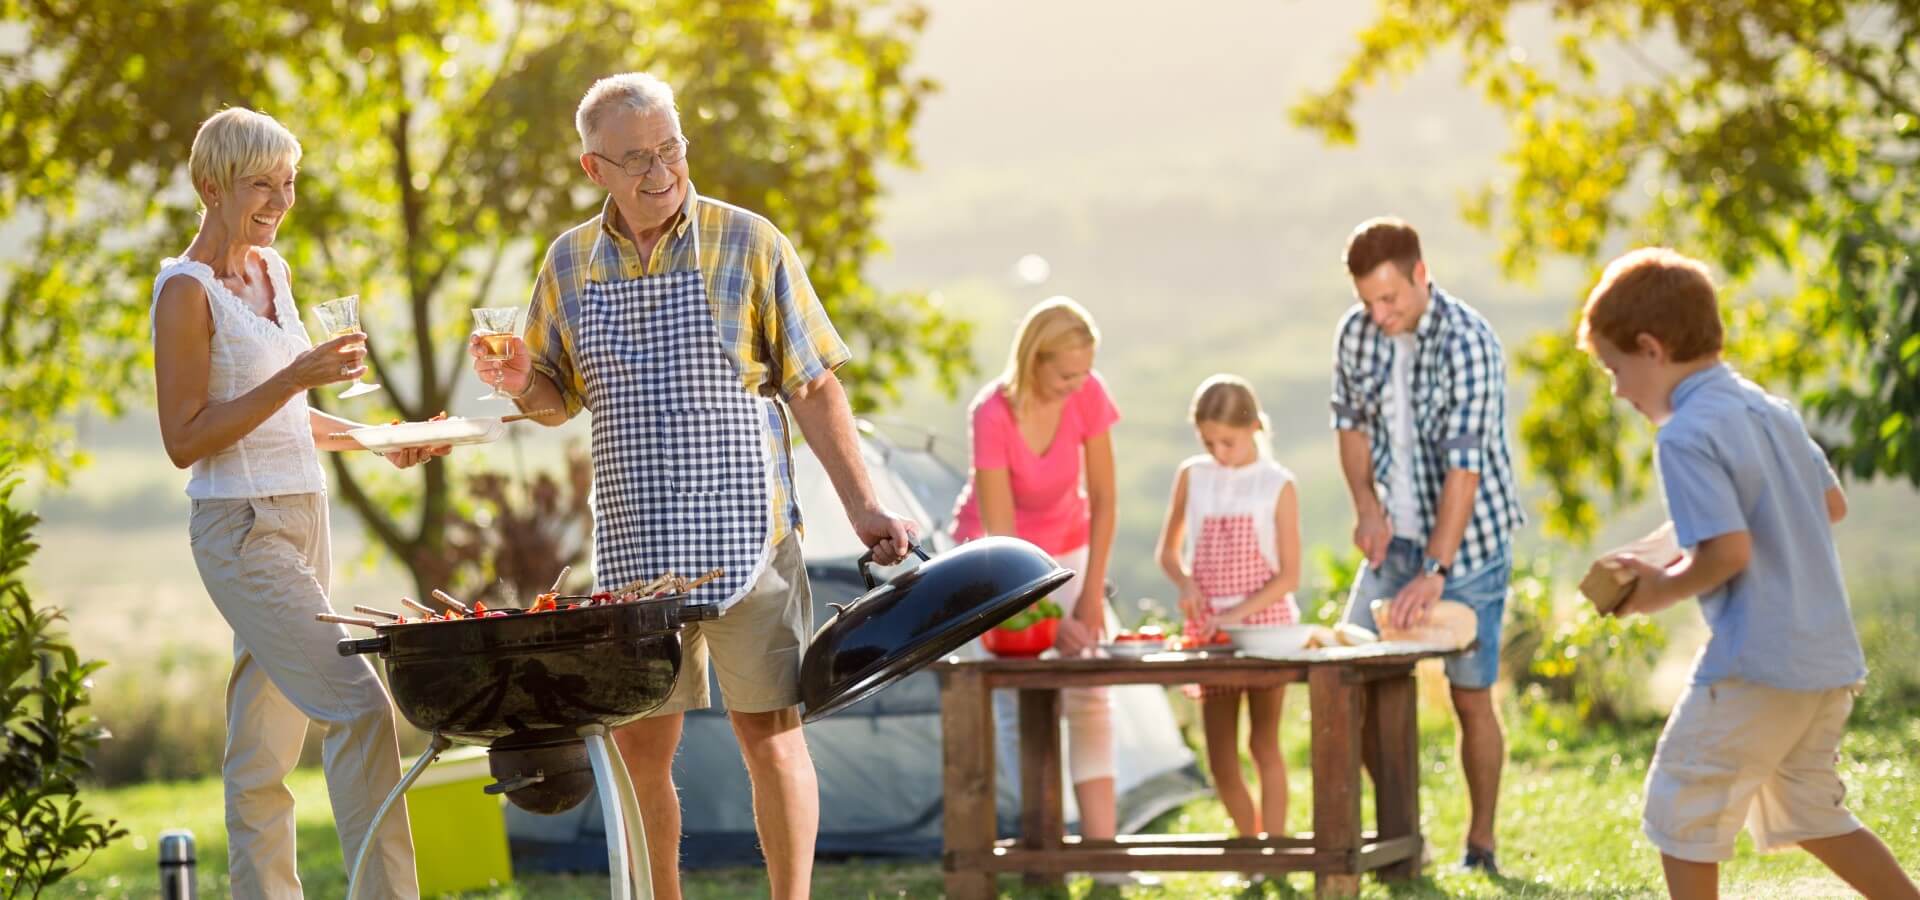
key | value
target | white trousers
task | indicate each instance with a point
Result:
(1088, 711)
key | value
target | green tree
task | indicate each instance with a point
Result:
(1775, 138)
(440, 158)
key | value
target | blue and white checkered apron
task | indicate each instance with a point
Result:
(680, 461)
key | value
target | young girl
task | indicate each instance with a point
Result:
(1242, 563)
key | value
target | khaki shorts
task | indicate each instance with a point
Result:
(755, 647)
(1735, 753)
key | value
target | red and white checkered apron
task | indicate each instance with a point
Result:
(1227, 562)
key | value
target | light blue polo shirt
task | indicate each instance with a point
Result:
(1735, 458)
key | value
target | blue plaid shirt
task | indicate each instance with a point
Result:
(1459, 415)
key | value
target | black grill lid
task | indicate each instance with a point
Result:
(913, 619)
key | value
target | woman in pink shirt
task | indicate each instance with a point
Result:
(1037, 430)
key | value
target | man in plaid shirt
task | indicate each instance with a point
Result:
(1419, 404)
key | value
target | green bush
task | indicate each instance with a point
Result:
(168, 721)
(1571, 667)
(1887, 617)
(45, 833)
(1322, 596)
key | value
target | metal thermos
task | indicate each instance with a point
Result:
(176, 865)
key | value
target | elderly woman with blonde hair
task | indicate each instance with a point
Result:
(1043, 471)
(232, 368)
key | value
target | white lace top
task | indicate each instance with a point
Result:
(278, 457)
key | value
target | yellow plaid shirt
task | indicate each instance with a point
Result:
(770, 321)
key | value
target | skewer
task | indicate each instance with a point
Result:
(528, 415)
(419, 607)
(346, 620)
(564, 570)
(449, 600)
(716, 573)
(633, 587)
(379, 612)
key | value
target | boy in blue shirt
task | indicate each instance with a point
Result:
(1756, 737)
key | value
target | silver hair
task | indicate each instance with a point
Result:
(635, 92)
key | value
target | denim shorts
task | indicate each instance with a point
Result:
(1484, 589)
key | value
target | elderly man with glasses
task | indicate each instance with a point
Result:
(689, 329)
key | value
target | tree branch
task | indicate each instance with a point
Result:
(420, 292)
(1852, 67)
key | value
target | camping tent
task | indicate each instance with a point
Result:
(878, 760)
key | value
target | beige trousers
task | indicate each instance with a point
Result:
(265, 563)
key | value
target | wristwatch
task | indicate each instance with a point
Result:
(1431, 566)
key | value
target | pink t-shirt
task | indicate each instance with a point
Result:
(1049, 495)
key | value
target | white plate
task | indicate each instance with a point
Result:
(1134, 648)
(456, 430)
(1269, 640)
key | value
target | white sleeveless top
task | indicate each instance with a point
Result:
(1253, 489)
(278, 457)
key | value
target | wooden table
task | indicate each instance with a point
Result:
(1336, 851)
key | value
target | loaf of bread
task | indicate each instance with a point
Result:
(1449, 622)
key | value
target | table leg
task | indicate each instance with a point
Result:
(1396, 775)
(1334, 707)
(966, 731)
(1041, 816)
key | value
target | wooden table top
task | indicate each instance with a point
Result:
(1383, 653)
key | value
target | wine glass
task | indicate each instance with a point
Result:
(338, 317)
(496, 326)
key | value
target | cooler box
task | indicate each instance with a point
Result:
(459, 832)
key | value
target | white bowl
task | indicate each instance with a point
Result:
(1269, 640)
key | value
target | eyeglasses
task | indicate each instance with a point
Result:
(638, 163)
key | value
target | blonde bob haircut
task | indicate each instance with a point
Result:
(235, 143)
(1054, 326)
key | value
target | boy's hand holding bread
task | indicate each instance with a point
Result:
(1611, 581)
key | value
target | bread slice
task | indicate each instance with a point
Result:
(1607, 584)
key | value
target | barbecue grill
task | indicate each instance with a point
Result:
(542, 690)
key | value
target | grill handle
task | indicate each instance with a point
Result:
(699, 612)
(357, 646)
(866, 561)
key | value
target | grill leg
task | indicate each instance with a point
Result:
(434, 748)
(626, 833)
(636, 826)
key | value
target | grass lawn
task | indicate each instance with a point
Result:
(1569, 828)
